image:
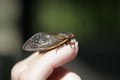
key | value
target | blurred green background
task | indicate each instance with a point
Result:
(96, 25)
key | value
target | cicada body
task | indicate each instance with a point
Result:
(45, 41)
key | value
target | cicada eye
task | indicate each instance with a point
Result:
(69, 34)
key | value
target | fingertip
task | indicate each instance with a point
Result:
(71, 76)
(61, 56)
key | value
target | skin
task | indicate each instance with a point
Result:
(46, 66)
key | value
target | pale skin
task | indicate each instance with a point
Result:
(47, 66)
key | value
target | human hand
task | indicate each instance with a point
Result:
(46, 66)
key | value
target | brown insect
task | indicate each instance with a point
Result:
(44, 41)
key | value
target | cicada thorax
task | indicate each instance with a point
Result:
(67, 38)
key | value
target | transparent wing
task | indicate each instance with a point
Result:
(42, 41)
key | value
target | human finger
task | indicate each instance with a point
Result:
(40, 68)
(61, 73)
(21, 66)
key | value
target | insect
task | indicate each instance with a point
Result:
(43, 41)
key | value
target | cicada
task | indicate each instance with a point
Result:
(43, 41)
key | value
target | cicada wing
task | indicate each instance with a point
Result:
(32, 43)
(42, 41)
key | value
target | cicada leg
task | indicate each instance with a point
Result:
(72, 43)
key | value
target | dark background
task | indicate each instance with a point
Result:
(96, 25)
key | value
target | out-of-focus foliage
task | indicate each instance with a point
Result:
(83, 18)
(62, 16)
